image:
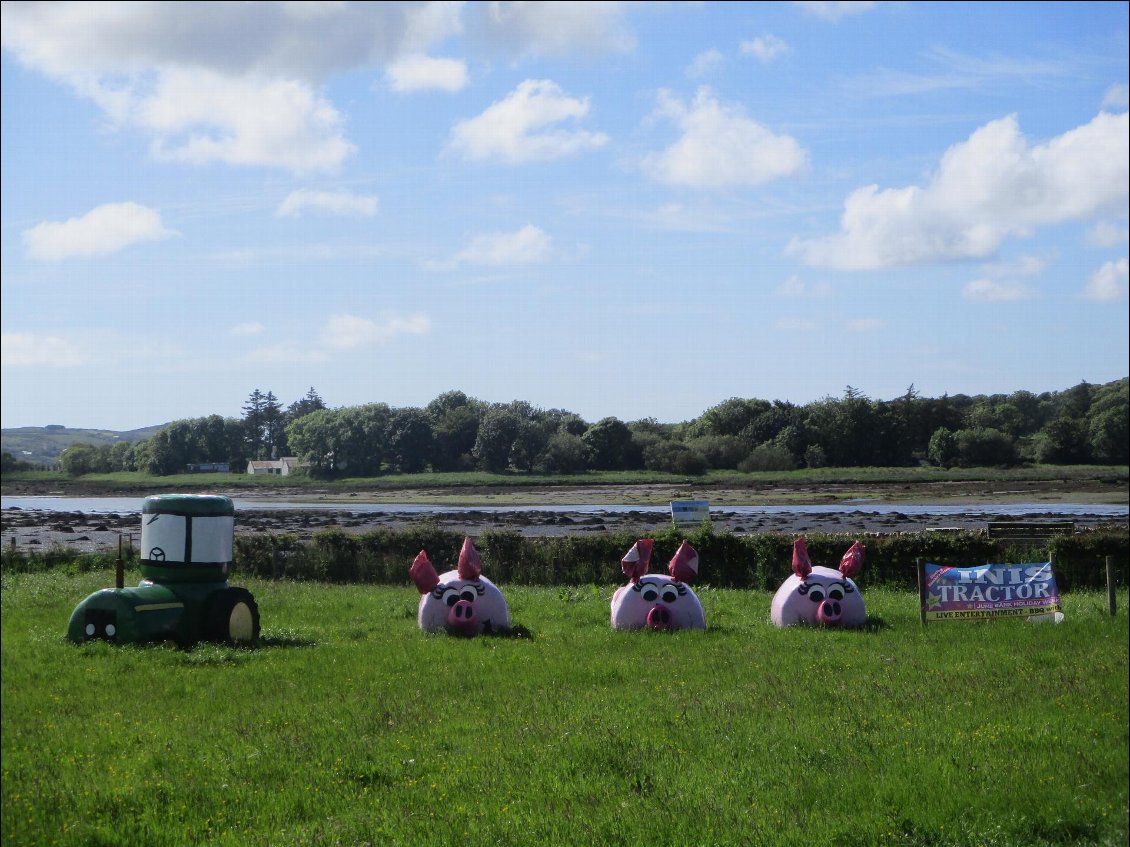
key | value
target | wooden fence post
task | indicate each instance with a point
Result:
(119, 569)
(1111, 602)
(921, 567)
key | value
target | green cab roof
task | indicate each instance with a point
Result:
(191, 505)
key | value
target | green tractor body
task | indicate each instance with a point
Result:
(186, 554)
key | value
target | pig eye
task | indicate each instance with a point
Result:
(669, 594)
(816, 594)
(449, 597)
(835, 593)
(649, 593)
(468, 595)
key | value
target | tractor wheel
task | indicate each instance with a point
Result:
(232, 616)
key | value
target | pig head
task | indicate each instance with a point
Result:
(658, 601)
(462, 601)
(820, 596)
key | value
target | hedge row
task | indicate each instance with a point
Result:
(758, 561)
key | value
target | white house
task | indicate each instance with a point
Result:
(273, 467)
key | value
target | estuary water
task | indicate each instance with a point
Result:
(132, 505)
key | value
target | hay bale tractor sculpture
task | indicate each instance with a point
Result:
(820, 596)
(658, 601)
(186, 555)
(461, 601)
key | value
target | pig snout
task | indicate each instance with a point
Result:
(461, 619)
(659, 617)
(829, 613)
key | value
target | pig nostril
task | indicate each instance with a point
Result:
(659, 617)
(836, 608)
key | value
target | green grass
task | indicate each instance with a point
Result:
(349, 726)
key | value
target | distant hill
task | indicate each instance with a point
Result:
(42, 445)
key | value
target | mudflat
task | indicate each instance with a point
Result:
(867, 508)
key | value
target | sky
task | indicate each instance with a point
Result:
(637, 210)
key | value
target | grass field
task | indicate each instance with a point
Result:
(348, 726)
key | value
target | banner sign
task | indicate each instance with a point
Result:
(685, 512)
(990, 591)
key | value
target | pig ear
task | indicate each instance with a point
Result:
(684, 565)
(802, 565)
(423, 573)
(852, 562)
(470, 565)
(636, 560)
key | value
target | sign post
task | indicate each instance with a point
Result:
(690, 512)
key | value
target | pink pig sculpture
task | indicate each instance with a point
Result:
(657, 601)
(818, 595)
(462, 601)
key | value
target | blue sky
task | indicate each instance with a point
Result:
(632, 210)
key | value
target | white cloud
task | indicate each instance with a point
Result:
(1117, 96)
(1000, 283)
(249, 328)
(227, 82)
(425, 23)
(421, 73)
(995, 291)
(348, 332)
(295, 40)
(833, 11)
(201, 117)
(25, 349)
(705, 63)
(796, 288)
(765, 48)
(1109, 283)
(720, 147)
(990, 187)
(1021, 266)
(77, 40)
(334, 202)
(552, 29)
(526, 246)
(342, 332)
(1107, 234)
(683, 218)
(101, 231)
(238, 83)
(520, 128)
(956, 72)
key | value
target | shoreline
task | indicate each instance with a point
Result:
(575, 509)
(39, 530)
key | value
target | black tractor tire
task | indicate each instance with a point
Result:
(232, 617)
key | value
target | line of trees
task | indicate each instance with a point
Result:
(1086, 424)
(259, 434)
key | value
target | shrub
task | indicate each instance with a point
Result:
(756, 561)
